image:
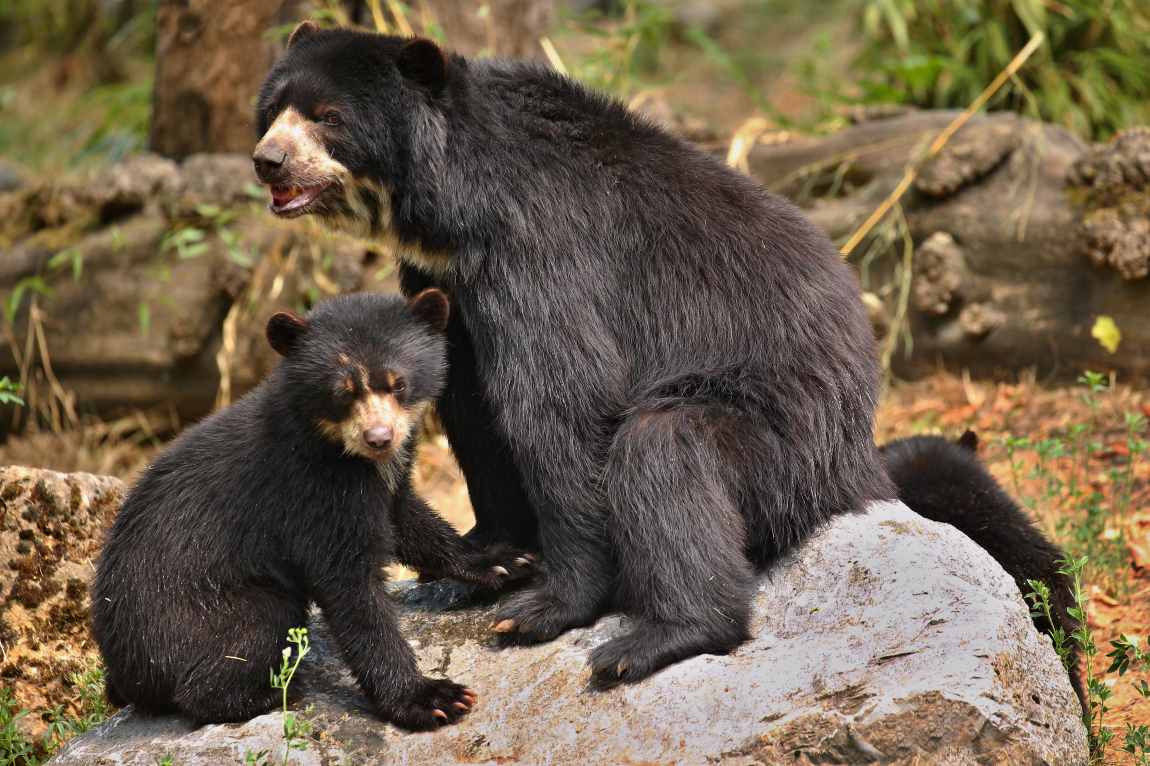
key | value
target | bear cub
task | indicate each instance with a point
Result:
(945, 481)
(299, 493)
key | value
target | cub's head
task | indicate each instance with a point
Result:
(345, 118)
(362, 369)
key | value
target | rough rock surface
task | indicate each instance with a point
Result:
(886, 638)
(51, 527)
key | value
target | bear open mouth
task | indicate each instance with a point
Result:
(290, 201)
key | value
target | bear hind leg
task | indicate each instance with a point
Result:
(229, 680)
(679, 541)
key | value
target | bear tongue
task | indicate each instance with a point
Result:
(281, 195)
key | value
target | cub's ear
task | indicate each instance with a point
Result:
(431, 306)
(303, 29)
(968, 440)
(284, 332)
(423, 63)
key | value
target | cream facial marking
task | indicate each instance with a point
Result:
(292, 160)
(373, 411)
(375, 428)
(304, 179)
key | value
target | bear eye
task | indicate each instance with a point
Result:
(332, 118)
(399, 386)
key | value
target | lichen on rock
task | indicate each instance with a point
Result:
(51, 528)
(1114, 181)
(938, 274)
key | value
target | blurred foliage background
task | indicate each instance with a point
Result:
(76, 76)
(1092, 76)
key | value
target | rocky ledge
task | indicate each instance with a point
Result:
(885, 639)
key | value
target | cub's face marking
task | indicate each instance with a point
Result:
(377, 424)
(362, 371)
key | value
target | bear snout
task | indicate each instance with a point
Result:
(377, 437)
(269, 160)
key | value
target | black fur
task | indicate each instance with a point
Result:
(945, 481)
(658, 368)
(254, 513)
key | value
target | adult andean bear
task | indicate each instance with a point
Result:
(660, 373)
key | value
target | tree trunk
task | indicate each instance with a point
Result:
(210, 60)
(507, 28)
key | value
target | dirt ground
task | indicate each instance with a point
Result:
(948, 404)
(945, 404)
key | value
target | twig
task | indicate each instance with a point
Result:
(897, 325)
(552, 54)
(744, 139)
(225, 354)
(377, 17)
(63, 397)
(400, 17)
(911, 172)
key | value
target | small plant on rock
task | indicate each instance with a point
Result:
(296, 728)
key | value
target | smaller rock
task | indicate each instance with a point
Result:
(1111, 169)
(221, 180)
(1119, 241)
(1116, 180)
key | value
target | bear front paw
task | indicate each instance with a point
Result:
(436, 702)
(498, 566)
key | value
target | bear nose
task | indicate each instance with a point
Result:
(377, 437)
(268, 159)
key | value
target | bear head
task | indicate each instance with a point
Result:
(362, 369)
(345, 118)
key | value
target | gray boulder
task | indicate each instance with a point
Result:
(886, 638)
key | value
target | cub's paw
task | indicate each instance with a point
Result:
(436, 702)
(537, 614)
(497, 567)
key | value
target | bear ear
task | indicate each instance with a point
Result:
(284, 331)
(431, 306)
(304, 29)
(422, 62)
(968, 441)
